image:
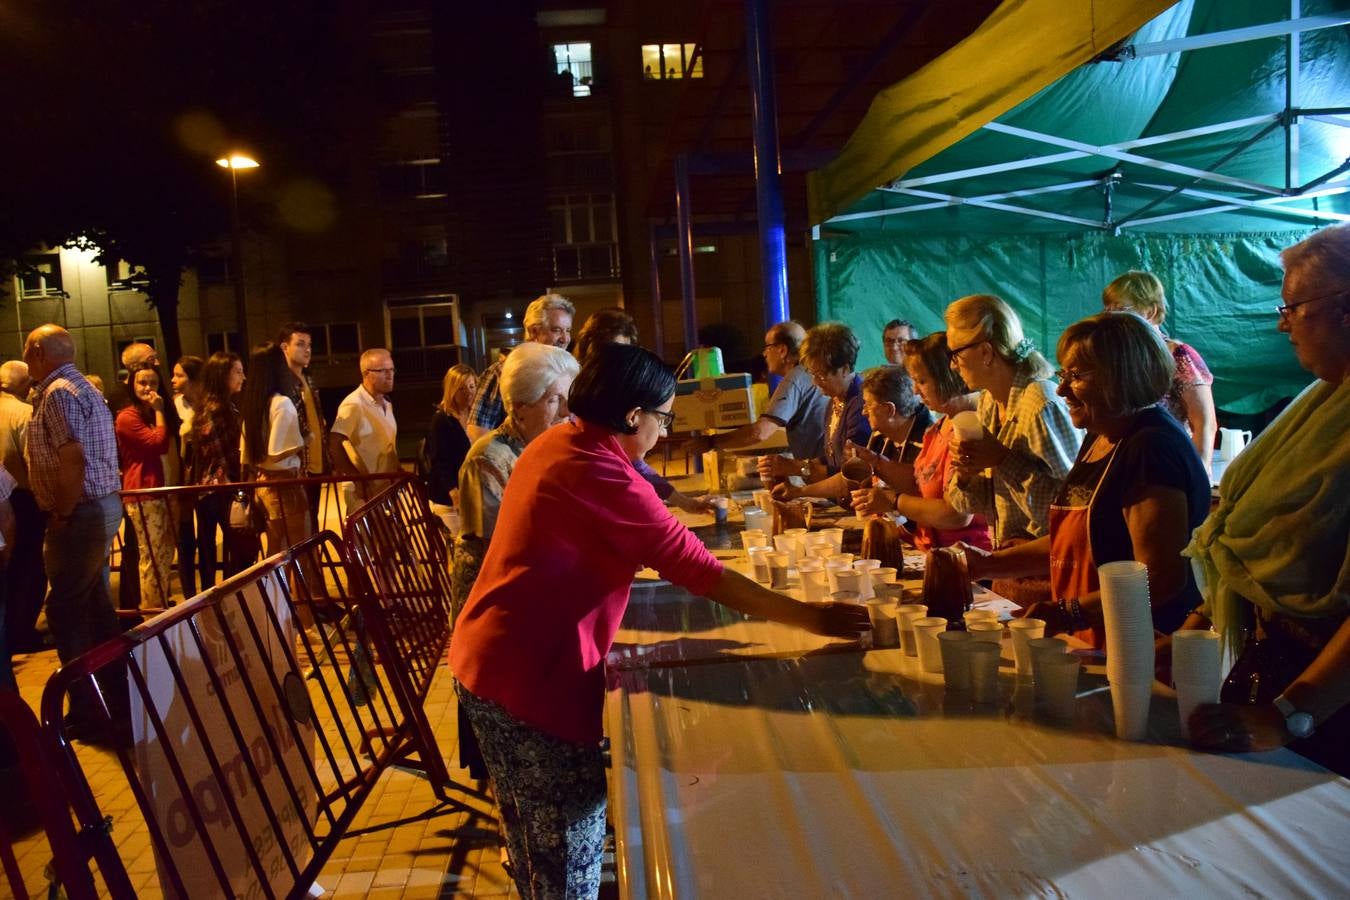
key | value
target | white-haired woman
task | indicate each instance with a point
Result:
(1011, 474)
(535, 380)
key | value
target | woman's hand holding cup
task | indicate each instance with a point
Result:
(872, 501)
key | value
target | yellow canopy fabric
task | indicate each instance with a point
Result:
(1021, 48)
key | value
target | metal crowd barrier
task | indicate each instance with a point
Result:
(255, 740)
(401, 557)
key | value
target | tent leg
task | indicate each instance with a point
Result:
(658, 323)
(684, 241)
(768, 165)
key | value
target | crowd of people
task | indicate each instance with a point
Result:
(1041, 472)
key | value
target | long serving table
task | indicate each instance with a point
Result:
(753, 760)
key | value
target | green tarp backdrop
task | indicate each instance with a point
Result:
(1222, 290)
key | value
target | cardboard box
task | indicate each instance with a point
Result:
(705, 403)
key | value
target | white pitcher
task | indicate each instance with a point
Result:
(1231, 442)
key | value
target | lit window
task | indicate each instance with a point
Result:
(572, 65)
(40, 276)
(665, 61)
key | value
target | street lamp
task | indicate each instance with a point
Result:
(234, 162)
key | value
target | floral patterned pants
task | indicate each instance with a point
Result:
(551, 794)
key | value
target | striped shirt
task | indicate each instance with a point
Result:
(1015, 497)
(66, 407)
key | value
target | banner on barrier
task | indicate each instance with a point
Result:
(280, 764)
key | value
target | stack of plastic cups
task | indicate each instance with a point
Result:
(786, 544)
(865, 568)
(926, 631)
(1129, 644)
(815, 587)
(1197, 671)
(1024, 630)
(905, 615)
(759, 564)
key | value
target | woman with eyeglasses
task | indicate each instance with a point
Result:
(1012, 473)
(534, 381)
(1190, 398)
(1135, 491)
(528, 652)
(1275, 553)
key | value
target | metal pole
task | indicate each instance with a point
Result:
(684, 240)
(1293, 88)
(768, 166)
(237, 263)
(658, 324)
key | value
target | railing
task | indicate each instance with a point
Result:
(252, 721)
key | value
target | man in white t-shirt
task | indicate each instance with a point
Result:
(363, 437)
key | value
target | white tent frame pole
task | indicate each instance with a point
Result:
(1227, 204)
(1293, 26)
(956, 201)
(1342, 121)
(1292, 90)
(1003, 207)
(1135, 158)
(1053, 158)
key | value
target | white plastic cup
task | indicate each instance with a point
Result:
(832, 568)
(905, 615)
(967, 426)
(984, 660)
(1189, 696)
(885, 632)
(1024, 630)
(979, 615)
(989, 631)
(786, 544)
(1044, 646)
(1057, 684)
(864, 568)
(883, 575)
(926, 630)
(764, 500)
(954, 647)
(815, 587)
(850, 580)
(1197, 657)
(778, 569)
(721, 506)
(798, 541)
(759, 564)
(757, 520)
(1130, 703)
(836, 536)
(846, 597)
(752, 538)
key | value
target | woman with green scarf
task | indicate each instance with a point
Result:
(1273, 557)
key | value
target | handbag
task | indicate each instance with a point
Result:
(246, 514)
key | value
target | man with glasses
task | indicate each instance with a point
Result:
(548, 320)
(893, 339)
(796, 405)
(364, 435)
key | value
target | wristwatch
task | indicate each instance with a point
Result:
(1300, 724)
(806, 469)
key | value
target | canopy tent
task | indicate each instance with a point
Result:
(1193, 148)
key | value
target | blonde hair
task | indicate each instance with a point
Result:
(454, 379)
(1138, 291)
(984, 317)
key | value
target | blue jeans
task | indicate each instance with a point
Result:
(80, 609)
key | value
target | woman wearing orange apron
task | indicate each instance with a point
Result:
(1136, 490)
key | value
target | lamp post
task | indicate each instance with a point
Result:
(234, 162)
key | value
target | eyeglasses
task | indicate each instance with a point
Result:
(1066, 376)
(388, 371)
(1288, 308)
(768, 347)
(666, 419)
(955, 352)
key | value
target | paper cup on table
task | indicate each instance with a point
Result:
(752, 538)
(954, 646)
(905, 616)
(884, 629)
(764, 500)
(979, 615)
(1130, 703)
(778, 571)
(836, 536)
(926, 631)
(1024, 630)
(849, 580)
(786, 544)
(798, 541)
(846, 597)
(984, 659)
(815, 587)
(1057, 684)
(883, 575)
(759, 564)
(990, 631)
(1042, 647)
(865, 568)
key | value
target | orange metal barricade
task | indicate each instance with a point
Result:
(256, 740)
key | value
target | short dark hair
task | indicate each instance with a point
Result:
(603, 327)
(896, 323)
(1129, 356)
(615, 379)
(191, 366)
(290, 328)
(831, 345)
(932, 354)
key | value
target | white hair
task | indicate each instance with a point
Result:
(13, 373)
(531, 368)
(536, 311)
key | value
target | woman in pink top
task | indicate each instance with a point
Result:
(142, 439)
(529, 648)
(939, 525)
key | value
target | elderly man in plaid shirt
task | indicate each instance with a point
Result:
(548, 320)
(72, 468)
